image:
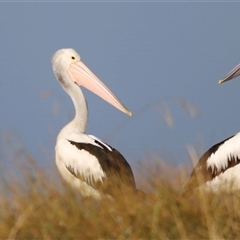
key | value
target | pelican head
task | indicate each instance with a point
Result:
(70, 70)
(232, 74)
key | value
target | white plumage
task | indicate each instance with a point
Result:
(227, 181)
(80, 161)
(228, 151)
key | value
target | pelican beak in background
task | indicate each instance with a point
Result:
(232, 74)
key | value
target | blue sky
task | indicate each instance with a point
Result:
(151, 55)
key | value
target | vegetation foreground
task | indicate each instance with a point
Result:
(43, 207)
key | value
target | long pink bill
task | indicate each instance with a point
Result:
(83, 76)
(232, 74)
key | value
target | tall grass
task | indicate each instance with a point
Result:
(39, 205)
(36, 203)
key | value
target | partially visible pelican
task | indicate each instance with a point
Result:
(85, 161)
(218, 168)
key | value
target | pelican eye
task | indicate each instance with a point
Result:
(73, 58)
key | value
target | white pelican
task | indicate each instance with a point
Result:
(218, 169)
(84, 161)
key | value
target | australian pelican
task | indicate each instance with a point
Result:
(85, 161)
(218, 168)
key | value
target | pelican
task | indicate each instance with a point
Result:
(85, 161)
(218, 169)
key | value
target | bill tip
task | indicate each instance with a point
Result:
(129, 113)
(220, 81)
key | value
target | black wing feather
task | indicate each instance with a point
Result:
(115, 166)
(202, 174)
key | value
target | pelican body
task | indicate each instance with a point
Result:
(84, 161)
(218, 169)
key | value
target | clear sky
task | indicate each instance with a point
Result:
(158, 58)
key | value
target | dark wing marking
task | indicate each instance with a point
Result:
(202, 174)
(115, 166)
(102, 145)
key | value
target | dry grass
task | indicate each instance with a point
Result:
(38, 206)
